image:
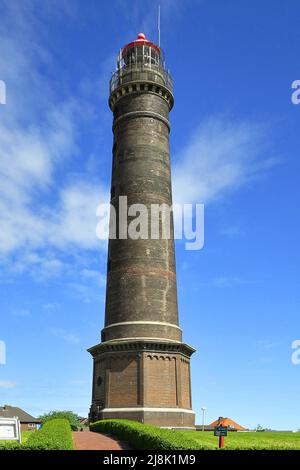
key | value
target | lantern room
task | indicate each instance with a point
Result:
(139, 60)
(141, 51)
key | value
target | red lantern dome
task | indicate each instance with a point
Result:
(141, 40)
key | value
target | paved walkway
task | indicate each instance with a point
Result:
(87, 440)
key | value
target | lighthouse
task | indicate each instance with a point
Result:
(141, 366)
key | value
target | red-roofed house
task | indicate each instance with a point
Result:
(232, 425)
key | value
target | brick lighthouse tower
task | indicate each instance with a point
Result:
(141, 367)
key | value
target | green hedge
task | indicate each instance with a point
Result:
(10, 445)
(54, 435)
(145, 436)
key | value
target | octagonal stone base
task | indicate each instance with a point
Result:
(143, 380)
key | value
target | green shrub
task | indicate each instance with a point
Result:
(145, 436)
(72, 417)
(54, 435)
(10, 445)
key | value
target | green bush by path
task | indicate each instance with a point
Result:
(72, 417)
(54, 435)
(145, 436)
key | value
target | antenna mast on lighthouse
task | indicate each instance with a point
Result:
(158, 25)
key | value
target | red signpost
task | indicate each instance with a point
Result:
(221, 441)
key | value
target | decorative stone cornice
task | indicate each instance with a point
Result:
(142, 345)
(141, 86)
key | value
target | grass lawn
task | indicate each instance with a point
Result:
(248, 440)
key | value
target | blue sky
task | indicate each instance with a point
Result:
(235, 148)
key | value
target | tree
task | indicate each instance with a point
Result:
(73, 418)
(259, 428)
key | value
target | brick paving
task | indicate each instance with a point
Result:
(87, 440)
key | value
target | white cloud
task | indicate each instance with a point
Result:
(229, 281)
(38, 135)
(92, 274)
(221, 156)
(267, 344)
(76, 221)
(7, 384)
(36, 132)
(67, 336)
(27, 159)
(21, 312)
(50, 306)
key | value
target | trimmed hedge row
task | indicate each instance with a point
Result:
(54, 435)
(145, 436)
(10, 445)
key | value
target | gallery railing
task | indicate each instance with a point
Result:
(147, 72)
